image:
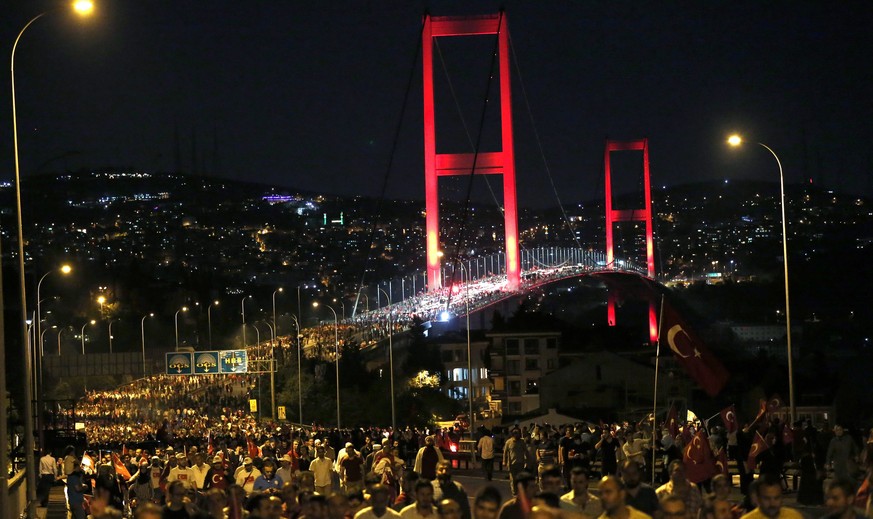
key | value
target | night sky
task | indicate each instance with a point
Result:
(309, 94)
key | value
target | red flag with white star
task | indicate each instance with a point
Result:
(700, 464)
(759, 445)
(691, 353)
(729, 417)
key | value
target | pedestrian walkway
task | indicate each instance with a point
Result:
(57, 505)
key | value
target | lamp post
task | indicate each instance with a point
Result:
(469, 348)
(142, 334)
(391, 360)
(209, 320)
(736, 140)
(92, 321)
(65, 269)
(83, 7)
(299, 380)
(176, 320)
(336, 346)
(110, 334)
(242, 305)
(275, 323)
(342, 307)
(272, 370)
(60, 331)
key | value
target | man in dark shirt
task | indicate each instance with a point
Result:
(639, 495)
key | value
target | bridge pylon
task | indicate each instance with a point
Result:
(643, 214)
(484, 163)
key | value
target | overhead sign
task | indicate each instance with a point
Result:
(207, 362)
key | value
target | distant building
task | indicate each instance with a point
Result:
(605, 380)
(454, 357)
(519, 362)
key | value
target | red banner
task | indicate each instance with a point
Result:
(729, 417)
(700, 464)
(691, 353)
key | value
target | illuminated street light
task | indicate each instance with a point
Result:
(176, 320)
(92, 322)
(299, 379)
(336, 346)
(30, 460)
(735, 140)
(209, 320)
(142, 330)
(276, 324)
(110, 334)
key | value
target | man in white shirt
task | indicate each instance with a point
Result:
(423, 507)
(485, 448)
(246, 476)
(200, 468)
(183, 473)
(322, 469)
(48, 472)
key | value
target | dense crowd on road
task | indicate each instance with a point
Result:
(267, 469)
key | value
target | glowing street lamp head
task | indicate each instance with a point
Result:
(184, 308)
(93, 321)
(315, 304)
(83, 7)
(66, 269)
(101, 300)
(735, 140)
(215, 302)
(151, 314)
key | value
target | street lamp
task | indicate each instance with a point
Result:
(92, 322)
(275, 324)
(299, 380)
(272, 370)
(736, 140)
(391, 360)
(342, 307)
(176, 320)
(65, 269)
(110, 334)
(60, 331)
(142, 332)
(469, 349)
(82, 7)
(336, 346)
(242, 305)
(209, 320)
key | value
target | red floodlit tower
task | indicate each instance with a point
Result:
(630, 215)
(485, 163)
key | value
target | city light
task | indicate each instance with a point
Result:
(83, 7)
(735, 140)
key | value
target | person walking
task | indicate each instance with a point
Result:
(485, 449)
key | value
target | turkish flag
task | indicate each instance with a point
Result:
(120, 469)
(673, 421)
(761, 412)
(691, 353)
(759, 445)
(774, 404)
(210, 446)
(700, 464)
(721, 461)
(729, 417)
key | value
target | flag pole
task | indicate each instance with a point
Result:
(655, 398)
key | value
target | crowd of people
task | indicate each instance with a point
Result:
(267, 470)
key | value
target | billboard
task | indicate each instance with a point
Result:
(207, 362)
